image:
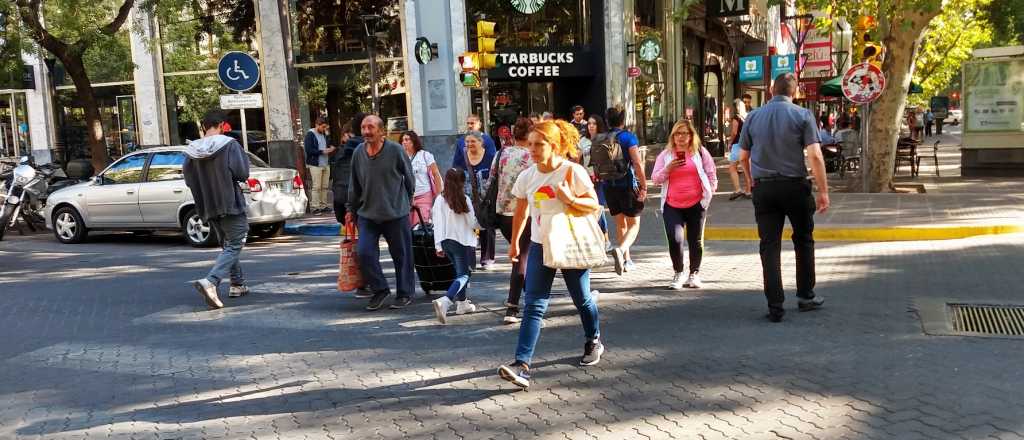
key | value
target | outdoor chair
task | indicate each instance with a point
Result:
(850, 157)
(906, 152)
(833, 155)
(935, 157)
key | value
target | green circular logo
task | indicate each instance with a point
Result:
(650, 49)
(423, 51)
(527, 6)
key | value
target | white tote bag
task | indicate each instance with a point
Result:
(572, 241)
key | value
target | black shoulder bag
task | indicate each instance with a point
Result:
(485, 205)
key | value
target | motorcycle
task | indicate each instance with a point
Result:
(25, 189)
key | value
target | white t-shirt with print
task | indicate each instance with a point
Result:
(535, 187)
(421, 163)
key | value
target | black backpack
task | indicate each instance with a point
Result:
(607, 158)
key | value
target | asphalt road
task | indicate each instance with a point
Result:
(106, 340)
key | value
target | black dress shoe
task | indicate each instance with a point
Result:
(775, 315)
(806, 305)
(401, 302)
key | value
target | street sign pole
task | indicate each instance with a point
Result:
(865, 163)
(245, 135)
(485, 92)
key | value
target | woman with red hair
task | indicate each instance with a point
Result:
(554, 181)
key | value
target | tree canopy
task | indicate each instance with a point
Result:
(948, 42)
(1007, 20)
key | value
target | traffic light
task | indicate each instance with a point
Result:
(872, 53)
(486, 44)
(862, 33)
(866, 49)
(470, 65)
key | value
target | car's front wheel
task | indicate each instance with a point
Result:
(68, 226)
(196, 230)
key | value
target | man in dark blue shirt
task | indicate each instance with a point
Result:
(773, 142)
(473, 123)
(625, 196)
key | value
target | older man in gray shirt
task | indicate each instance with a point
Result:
(379, 200)
(773, 142)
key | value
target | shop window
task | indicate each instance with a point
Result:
(341, 91)
(712, 118)
(14, 129)
(108, 62)
(557, 23)
(326, 31)
(117, 116)
(691, 98)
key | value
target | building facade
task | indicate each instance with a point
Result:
(646, 55)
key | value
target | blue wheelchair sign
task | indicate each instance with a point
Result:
(238, 71)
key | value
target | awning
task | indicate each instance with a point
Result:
(832, 87)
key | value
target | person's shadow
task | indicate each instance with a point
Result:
(346, 400)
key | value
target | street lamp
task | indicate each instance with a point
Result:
(370, 24)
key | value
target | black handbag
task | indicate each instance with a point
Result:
(485, 206)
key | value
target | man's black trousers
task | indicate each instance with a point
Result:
(774, 201)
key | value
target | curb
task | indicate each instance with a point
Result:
(891, 233)
(749, 233)
(319, 230)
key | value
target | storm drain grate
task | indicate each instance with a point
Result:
(987, 319)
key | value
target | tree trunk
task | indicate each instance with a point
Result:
(901, 45)
(93, 123)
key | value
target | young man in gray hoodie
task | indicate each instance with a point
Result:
(214, 167)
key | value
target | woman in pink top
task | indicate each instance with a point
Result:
(686, 173)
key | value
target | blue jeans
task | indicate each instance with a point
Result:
(538, 292)
(232, 230)
(398, 235)
(462, 258)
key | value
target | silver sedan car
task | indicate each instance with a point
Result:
(145, 191)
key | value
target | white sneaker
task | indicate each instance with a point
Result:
(628, 266)
(677, 281)
(209, 293)
(693, 281)
(464, 307)
(441, 306)
(237, 291)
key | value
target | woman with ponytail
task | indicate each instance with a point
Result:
(552, 177)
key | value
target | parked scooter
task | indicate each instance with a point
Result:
(23, 193)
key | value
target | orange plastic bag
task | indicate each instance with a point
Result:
(349, 276)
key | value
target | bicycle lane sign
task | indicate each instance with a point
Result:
(238, 71)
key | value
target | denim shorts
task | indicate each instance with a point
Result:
(734, 153)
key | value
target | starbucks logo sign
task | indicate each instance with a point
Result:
(650, 49)
(527, 6)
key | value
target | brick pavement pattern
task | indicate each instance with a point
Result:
(105, 340)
